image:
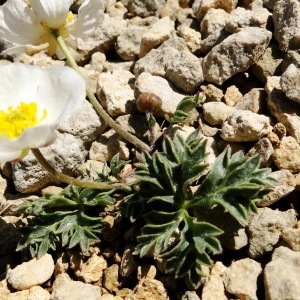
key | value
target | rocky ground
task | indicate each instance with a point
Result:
(244, 56)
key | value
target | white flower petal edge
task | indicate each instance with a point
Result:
(90, 14)
(18, 23)
(60, 90)
(15, 150)
(53, 13)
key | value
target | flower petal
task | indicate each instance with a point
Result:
(18, 23)
(89, 15)
(33, 137)
(19, 83)
(53, 13)
(61, 93)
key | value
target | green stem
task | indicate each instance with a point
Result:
(70, 180)
(97, 106)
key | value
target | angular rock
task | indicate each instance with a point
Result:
(90, 169)
(254, 100)
(146, 271)
(185, 72)
(286, 184)
(292, 237)
(192, 38)
(97, 62)
(269, 64)
(212, 93)
(155, 61)
(283, 109)
(232, 95)
(287, 154)
(235, 54)
(108, 145)
(146, 83)
(290, 82)
(264, 149)
(215, 19)
(110, 278)
(158, 32)
(39, 59)
(243, 125)
(31, 273)
(175, 42)
(66, 154)
(149, 289)
(104, 36)
(290, 57)
(34, 293)
(280, 275)
(115, 91)
(175, 11)
(129, 42)
(200, 7)
(241, 18)
(129, 262)
(215, 113)
(144, 8)
(213, 287)
(116, 10)
(265, 229)
(286, 19)
(84, 124)
(207, 44)
(92, 270)
(64, 288)
(242, 277)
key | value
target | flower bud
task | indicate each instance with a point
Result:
(149, 102)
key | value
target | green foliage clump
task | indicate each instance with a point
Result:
(169, 188)
(63, 220)
(165, 202)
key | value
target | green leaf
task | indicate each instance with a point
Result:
(235, 182)
(116, 164)
(183, 253)
(133, 206)
(157, 233)
(186, 105)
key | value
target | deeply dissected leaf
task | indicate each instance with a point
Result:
(235, 182)
(133, 206)
(185, 252)
(63, 220)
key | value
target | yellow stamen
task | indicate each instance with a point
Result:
(70, 17)
(16, 120)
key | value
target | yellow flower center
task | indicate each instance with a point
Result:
(16, 120)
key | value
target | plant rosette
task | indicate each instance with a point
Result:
(33, 103)
(30, 28)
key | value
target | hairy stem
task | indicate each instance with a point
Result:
(70, 180)
(97, 106)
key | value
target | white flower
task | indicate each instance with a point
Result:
(33, 103)
(29, 29)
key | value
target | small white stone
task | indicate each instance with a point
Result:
(244, 126)
(65, 289)
(31, 273)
